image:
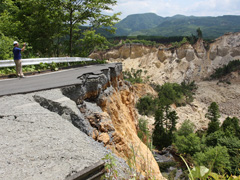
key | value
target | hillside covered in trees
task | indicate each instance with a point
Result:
(151, 24)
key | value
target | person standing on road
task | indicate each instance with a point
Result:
(18, 58)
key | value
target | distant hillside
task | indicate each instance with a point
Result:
(178, 25)
(137, 22)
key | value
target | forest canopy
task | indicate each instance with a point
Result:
(51, 28)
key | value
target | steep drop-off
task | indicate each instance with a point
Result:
(115, 122)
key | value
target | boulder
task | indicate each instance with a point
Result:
(104, 137)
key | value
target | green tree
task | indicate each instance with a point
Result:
(231, 127)
(41, 24)
(91, 41)
(146, 105)
(8, 18)
(159, 135)
(213, 115)
(164, 127)
(33, 21)
(47, 25)
(5, 47)
(233, 145)
(81, 12)
(199, 33)
(213, 138)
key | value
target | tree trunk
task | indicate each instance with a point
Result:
(71, 33)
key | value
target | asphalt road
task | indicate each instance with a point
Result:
(48, 80)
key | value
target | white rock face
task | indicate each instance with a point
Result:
(187, 62)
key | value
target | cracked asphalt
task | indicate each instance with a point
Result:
(48, 81)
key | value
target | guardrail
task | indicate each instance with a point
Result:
(35, 61)
(93, 172)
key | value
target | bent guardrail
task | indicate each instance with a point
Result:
(93, 172)
(35, 61)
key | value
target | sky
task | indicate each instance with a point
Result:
(166, 8)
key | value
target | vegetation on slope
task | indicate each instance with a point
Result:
(215, 149)
(169, 93)
(226, 69)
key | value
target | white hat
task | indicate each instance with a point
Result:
(15, 42)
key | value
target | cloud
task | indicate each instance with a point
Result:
(172, 7)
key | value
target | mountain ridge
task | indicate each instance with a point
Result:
(178, 25)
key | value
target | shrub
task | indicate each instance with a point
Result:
(170, 93)
(146, 105)
(226, 69)
(186, 128)
(143, 131)
(189, 144)
(133, 76)
(215, 158)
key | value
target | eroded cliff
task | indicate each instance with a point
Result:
(188, 62)
(108, 103)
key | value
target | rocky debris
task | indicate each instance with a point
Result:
(100, 122)
(168, 162)
(225, 95)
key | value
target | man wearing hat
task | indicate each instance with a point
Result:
(18, 57)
